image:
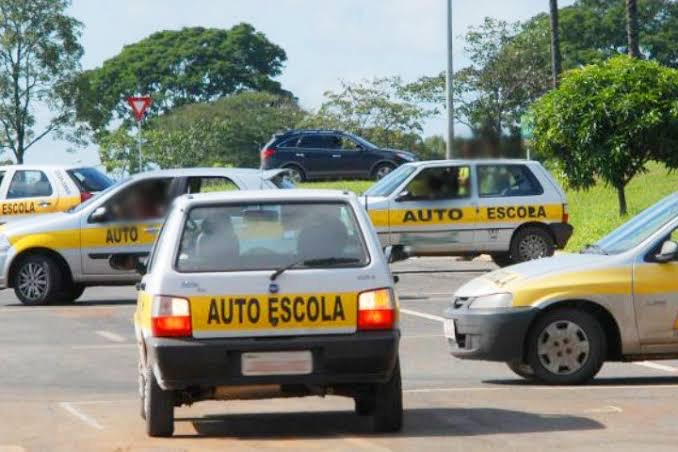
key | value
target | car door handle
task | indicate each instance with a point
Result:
(152, 229)
(300, 155)
(44, 204)
(336, 156)
(656, 303)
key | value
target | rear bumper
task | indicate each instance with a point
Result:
(561, 233)
(363, 357)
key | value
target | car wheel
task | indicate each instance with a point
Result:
(531, 243)
(296, 174)
(365, 403)
(71, 293)
(388, 407)
(566, 347)
(521, 369)
(37, 280)
(158, 407)
(502, 259)
(382, 170)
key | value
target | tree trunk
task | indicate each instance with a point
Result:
(632, 28)
(556, 58)
(621, 196)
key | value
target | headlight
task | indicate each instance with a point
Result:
(497, 300)
(4, 243)
(405, 157)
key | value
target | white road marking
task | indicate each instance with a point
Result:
(102, 346)
(605, 409)
(110, 336)
(540, 388)
(656, 366)
(27, 309)
(80, 415)
(363, 443)
(423, 315)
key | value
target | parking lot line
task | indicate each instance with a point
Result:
(423, 315)
(80, 415)
(101, 346)
(656, 366)
(110, 336)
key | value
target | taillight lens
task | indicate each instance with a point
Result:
(566, 214)
(171, 317)
(85, 195)
(377, 310)
(267, 153)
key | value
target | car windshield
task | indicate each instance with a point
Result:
(390, 182)
(639, 228)
(362, 141)
(90, 179)
(97, 196)
(271, 236)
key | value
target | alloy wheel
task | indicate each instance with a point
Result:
(33, 280)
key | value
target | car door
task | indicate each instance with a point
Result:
(655, 298)
(27, 192)
(318, 156)
(126, 225)
(348, 157)
(434, 213)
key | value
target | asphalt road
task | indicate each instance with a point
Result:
(68, 380)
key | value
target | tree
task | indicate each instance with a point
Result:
(228, 132)
(382, 110)
(632, 28)
(607, 121)
(556, 58)
(179, 68)
(39, 56)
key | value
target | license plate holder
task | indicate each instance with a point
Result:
(277, 363)
(450, 330)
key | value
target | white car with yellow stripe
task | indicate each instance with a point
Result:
(28, 190)
(271, 294)
(54, 258)
(511, 209)
(558, 319)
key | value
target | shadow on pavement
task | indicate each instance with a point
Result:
(419, 422)
(620, 381)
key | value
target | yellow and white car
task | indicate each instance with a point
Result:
(27, 190)
(270, 294)
(512, 210)
(558, 319)
(54, 259)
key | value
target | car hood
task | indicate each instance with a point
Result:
(409, 154)
(517, 277)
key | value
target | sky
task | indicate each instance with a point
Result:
(326, 41)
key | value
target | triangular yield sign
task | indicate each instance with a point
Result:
(139, 105)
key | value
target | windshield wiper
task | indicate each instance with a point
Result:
(594, 248)
(314, 263)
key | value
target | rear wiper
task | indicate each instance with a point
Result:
(314, 263)
(594, 247)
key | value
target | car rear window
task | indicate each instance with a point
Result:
(89, 179)
(241, 237)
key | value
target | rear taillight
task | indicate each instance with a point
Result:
(85, 195)
(566, 214)
(267, 153)
(171, 317)
(377, 310)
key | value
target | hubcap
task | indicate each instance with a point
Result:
(383, 171)
(32, 280)
(563, 347)
(294, 174)
(533, 247)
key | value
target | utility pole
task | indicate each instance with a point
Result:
(449, 79)
(556, 59)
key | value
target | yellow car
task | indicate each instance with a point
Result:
(557, 320)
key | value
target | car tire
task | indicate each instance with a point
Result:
(502, 259)
(382, 170)
(566, 347)
(521, 369)
(296, 174)
(388, 407)
(531, 242)
(70, 293)
(37, 280)
(158, 407)
(365, 403)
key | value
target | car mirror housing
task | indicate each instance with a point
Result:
(668, 252)
(99, 214)
(397, 253)
(403, 196)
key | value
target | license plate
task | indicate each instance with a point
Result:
(277, 363)
(450, 332)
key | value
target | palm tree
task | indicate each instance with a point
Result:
(632, 28)
(556, 59)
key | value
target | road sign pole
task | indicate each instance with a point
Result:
(139, 105)
(141, 159)
(448, 85)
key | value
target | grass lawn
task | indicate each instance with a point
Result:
(593, 213)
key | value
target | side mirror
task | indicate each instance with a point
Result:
(403, 196)
(127, 263)
(668, 252)
(360, 147)
(397, 253)
(100, 214)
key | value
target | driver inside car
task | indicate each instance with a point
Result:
(217, 243)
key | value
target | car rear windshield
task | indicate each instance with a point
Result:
(90, 179)
(270, 236)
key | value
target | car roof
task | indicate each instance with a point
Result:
(471, 162)
(264, 196)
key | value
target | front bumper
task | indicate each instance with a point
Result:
(561, 233)
(363, 357)
(490, 334)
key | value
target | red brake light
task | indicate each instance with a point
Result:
(566, 214)
(267, 153)
(171, 317)
(377, 310)
(85, 195)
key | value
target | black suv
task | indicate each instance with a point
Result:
(316, 154)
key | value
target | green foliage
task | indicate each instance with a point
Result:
(227, 132)
(607, 121)
(179, 68)
(382, 111)
(39, 56)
